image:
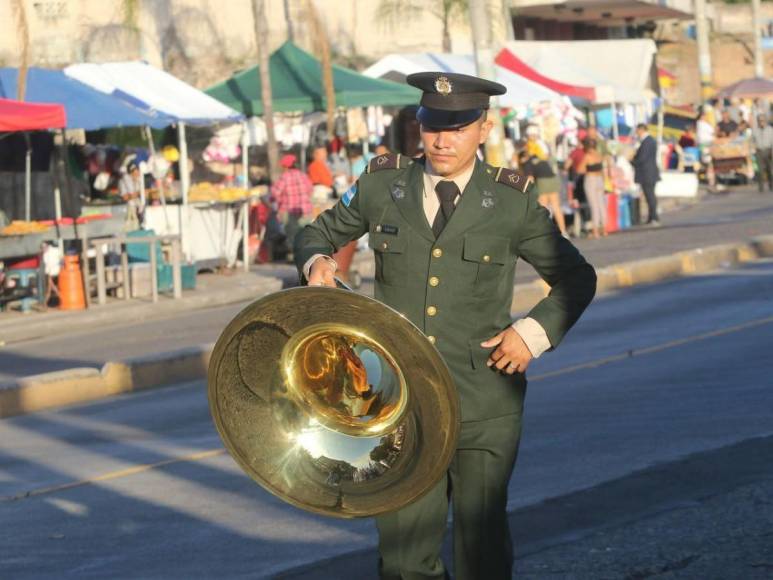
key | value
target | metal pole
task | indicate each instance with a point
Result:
(704, 48)
(153, 268)
(159, 182)
(245, 154)
(28, 179)
(659, 157)
(184, 186)
(185, 175)
(177, 284)
(484, 64)
(759, 61)
(246, 177)
(100, 261)
(615, 128)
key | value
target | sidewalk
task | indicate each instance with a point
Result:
(211, 290)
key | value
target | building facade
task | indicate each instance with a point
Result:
(204, 41)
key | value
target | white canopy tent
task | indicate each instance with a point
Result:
(151, 88)
(148, 86)
(520, 91)
(622, 71)
(156, 88)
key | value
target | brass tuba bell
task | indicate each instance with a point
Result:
(333, 402)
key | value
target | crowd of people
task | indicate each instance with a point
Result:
(573, 178)
(297, 196)
(731, 137)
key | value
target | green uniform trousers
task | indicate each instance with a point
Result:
(410, 539)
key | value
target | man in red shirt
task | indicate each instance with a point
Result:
(292, 195)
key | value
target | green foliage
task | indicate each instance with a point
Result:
(444, 10)
(131, 10)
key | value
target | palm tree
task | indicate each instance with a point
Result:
(322, 44)
(24, 32)
(261, 41)
(394, 11)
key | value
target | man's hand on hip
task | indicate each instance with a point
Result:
(511, 354)
(322, 273)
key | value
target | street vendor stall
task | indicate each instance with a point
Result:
(157, 90)
(297, 87)
(19, 116)
(84, 108)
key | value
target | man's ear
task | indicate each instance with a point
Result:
(485, 129)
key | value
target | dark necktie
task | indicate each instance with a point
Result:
(446, 193)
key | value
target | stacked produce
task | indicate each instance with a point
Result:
(206, 191)
(20, 228)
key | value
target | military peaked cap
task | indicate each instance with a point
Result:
(452, 100)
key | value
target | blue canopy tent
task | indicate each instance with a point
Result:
(86, 108)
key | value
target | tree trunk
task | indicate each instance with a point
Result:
(323, 46)
(24, 33)
(261, 41)
(446, 32)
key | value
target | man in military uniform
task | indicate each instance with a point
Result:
(447, 231)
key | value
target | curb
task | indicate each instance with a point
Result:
(80, 385)
(652, 270)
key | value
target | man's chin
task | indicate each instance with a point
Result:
(443, 166)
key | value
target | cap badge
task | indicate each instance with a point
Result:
(443, 86)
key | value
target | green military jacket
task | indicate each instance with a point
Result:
(458, 288)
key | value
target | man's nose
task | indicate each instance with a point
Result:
(442, 139)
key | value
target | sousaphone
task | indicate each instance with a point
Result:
(333, 402)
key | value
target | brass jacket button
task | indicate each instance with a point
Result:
(431, 311)
(437, 252)
(434, 281)
(431, 339)
(487, 258)
(385, 245)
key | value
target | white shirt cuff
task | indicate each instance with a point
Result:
(310, 261)
(533, 335)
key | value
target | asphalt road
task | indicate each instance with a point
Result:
(715, 219)
(659, 400)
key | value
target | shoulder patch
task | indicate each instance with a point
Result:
(513, 178)
(388, 161)
(347, 197)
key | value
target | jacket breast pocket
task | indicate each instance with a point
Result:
(491, 254)
(389, 249)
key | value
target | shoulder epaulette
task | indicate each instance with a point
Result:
(388, 161)
(512, 178)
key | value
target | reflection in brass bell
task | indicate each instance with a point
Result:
(333, 402)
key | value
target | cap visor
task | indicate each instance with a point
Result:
(438, 119)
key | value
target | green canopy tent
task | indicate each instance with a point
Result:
(296, 84)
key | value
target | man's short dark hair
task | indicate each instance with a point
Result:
(641, 126)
